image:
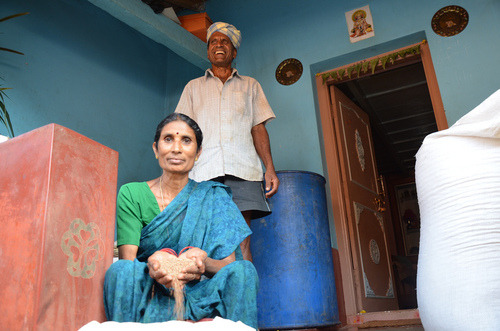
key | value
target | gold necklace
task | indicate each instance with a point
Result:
(161, 194)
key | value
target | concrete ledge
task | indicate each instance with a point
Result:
(157, 27)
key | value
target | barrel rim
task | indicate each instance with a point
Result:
(300, 171)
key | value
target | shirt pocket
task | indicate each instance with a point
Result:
(239, 104)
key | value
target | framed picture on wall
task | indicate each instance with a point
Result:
(359, 24)
(409, 216)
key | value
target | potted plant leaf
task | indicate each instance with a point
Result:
(4, 114)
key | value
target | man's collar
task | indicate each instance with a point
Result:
(209, 73)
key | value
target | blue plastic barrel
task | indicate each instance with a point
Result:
(292, 254)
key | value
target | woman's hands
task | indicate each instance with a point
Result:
(155, 270)
(187, 274)
(202, 265)
(191, 273)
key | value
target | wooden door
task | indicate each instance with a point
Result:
(368, 243)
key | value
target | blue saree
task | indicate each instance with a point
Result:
(201, 215)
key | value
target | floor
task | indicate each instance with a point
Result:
(398, 320)
(354, 328)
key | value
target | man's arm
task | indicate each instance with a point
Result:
(185, 104)
(263, 148)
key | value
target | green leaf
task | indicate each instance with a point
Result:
(393, 57)
(349, 71)
(8, 18)
(12, 16)
(384, 60)
(357, 67)
(373, 64)
(341, 73)
(5, 118)
(2, 120)
(4, 114)
(10, 50)
(364, 66)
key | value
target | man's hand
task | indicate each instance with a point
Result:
(272, 183)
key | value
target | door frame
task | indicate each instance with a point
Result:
(331, 153)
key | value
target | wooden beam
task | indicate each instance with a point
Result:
(432, 83)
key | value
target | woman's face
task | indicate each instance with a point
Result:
(176, 149)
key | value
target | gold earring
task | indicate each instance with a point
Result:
(156, 157)
(196, 159)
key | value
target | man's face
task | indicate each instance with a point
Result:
(221, 51)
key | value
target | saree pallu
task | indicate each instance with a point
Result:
(201, 215)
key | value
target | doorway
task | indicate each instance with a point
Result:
(403, 104)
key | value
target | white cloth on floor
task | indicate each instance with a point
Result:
(217, 324)
(457, 175)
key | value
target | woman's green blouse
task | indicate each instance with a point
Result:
(136, 207)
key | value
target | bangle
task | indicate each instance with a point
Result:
(185, 248)
(169, 251)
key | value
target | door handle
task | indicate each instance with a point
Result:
(379, 203)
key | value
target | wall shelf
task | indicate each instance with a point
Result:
(157, 27)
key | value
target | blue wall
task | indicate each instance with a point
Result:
(315, 32)
(87, 71)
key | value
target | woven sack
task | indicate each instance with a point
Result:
(458, 185)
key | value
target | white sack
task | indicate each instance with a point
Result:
(217, 324)
(458, 184)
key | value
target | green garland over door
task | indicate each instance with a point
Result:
(363, 66)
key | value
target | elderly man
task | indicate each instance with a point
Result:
(232, 111)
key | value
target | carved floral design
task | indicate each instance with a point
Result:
(360, 150)
(390, 291)
(83, 245)
(374, 251)
(369, 293)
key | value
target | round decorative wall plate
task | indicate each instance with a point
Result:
(289, 71)
(449, 21)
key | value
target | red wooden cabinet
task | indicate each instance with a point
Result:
(197, 24)
(57, 214)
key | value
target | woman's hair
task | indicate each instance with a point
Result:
(180, 117)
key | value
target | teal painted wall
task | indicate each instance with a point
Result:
(94, 74)
(315, 32)
(87, 71)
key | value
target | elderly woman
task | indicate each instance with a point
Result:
(174, 212)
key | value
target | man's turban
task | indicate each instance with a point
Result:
(227, 29)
